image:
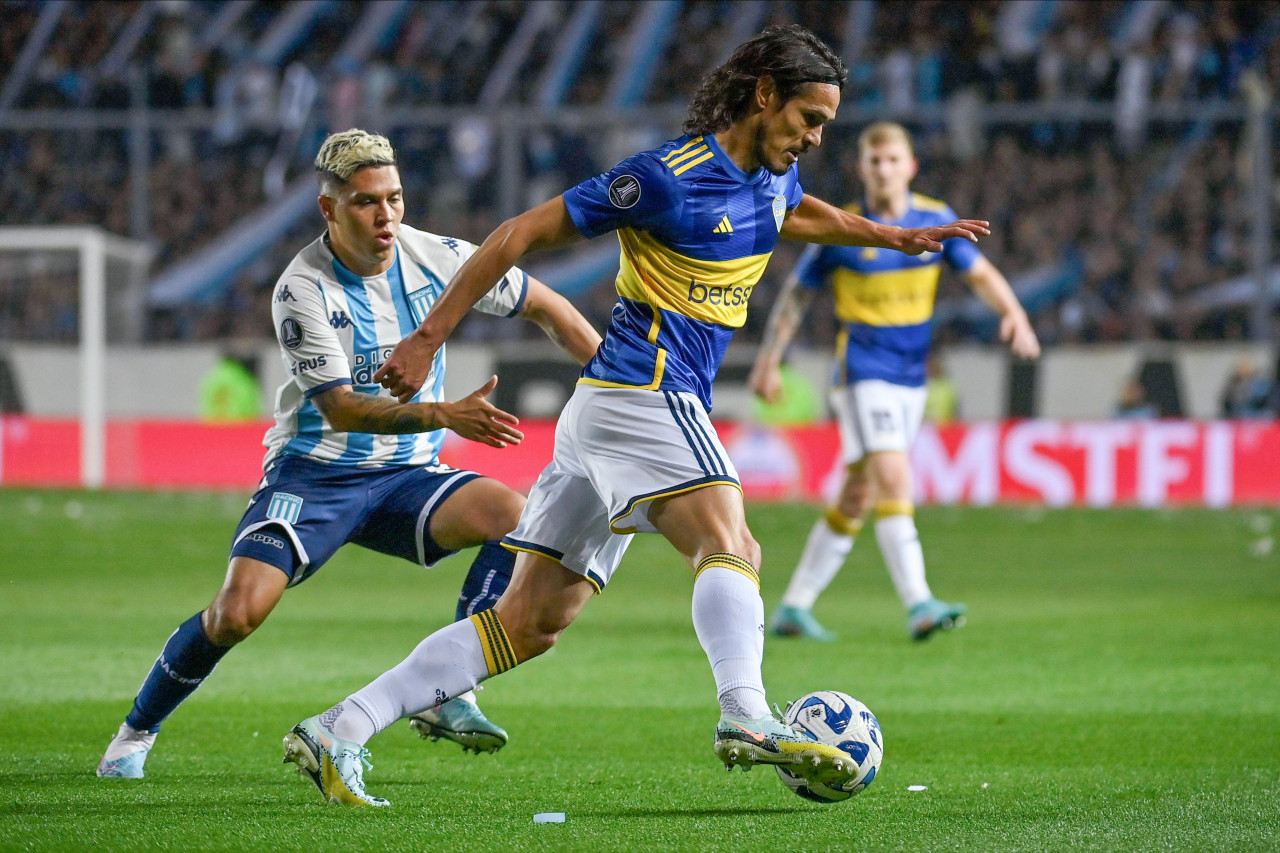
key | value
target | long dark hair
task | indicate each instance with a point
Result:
(791, 55)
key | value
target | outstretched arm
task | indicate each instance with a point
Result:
(815, 221)
(1015, 329)
(561, 321)
(547, 226)
(473, 417)
(765, 380)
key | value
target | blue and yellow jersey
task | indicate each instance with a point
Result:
(884, 298)
(696, 233)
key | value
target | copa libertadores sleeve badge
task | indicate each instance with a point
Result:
(291, 333)
(624, 192)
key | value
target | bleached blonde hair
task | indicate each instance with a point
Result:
(882, 132)
(344, 153)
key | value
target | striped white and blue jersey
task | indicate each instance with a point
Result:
(337, 328)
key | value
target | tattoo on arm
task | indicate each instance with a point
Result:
(352, 411)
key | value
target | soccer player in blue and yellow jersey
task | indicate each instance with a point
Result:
(884, 301)
(697, 220)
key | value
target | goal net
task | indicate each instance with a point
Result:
(63, 285)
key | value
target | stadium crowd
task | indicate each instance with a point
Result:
(1133, 222)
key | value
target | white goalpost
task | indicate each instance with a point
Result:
(95, 249)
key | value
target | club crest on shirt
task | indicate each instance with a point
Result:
(291, 333)
(779, 210)
(624, 192)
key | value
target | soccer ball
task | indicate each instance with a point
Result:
(841, 721)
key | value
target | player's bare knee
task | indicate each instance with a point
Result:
(854, 503)
(228, 623)
(894, 485)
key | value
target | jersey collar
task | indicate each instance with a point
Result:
(348, 276)
(726, 162)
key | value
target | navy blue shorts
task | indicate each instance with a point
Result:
(319, 508)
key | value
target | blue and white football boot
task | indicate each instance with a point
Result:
(745, 743)
(461, 722)
(126, 753)
(798, 622)
(934, 615)
(335, 765)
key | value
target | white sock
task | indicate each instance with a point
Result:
(728, 616)
(824, 554)
(448, 663)
(900, 545)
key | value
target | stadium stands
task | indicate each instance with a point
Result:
(1107, 142)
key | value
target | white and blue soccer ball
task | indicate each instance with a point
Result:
(839, 720)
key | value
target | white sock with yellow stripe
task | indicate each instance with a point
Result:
(900, 545)
(448, 663)
(829, 544)
(728, 616)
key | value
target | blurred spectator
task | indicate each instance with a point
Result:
(1158, 223)
(1133, 403)
(1247, 394)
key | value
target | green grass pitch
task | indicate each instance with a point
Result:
(1117, 688)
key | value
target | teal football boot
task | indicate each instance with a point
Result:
(934, 615)
(461, 722)
(798, 622)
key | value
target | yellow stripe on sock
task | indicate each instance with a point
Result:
(887, 508)
(498, 654)
(841, 523)
(732, 562)
(506, 655)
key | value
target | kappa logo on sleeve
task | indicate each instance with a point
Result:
(624, 192)
(291, 333)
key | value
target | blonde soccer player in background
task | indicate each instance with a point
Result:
(884, 300)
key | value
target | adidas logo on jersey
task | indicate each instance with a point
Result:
(724, 227)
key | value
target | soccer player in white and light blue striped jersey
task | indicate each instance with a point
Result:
(347, 462)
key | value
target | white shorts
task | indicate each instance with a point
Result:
(617, 450)
(876, 416)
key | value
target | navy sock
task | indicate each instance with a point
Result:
(188, 658)
(487, 579)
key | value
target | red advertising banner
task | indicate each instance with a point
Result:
(1058, 463)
